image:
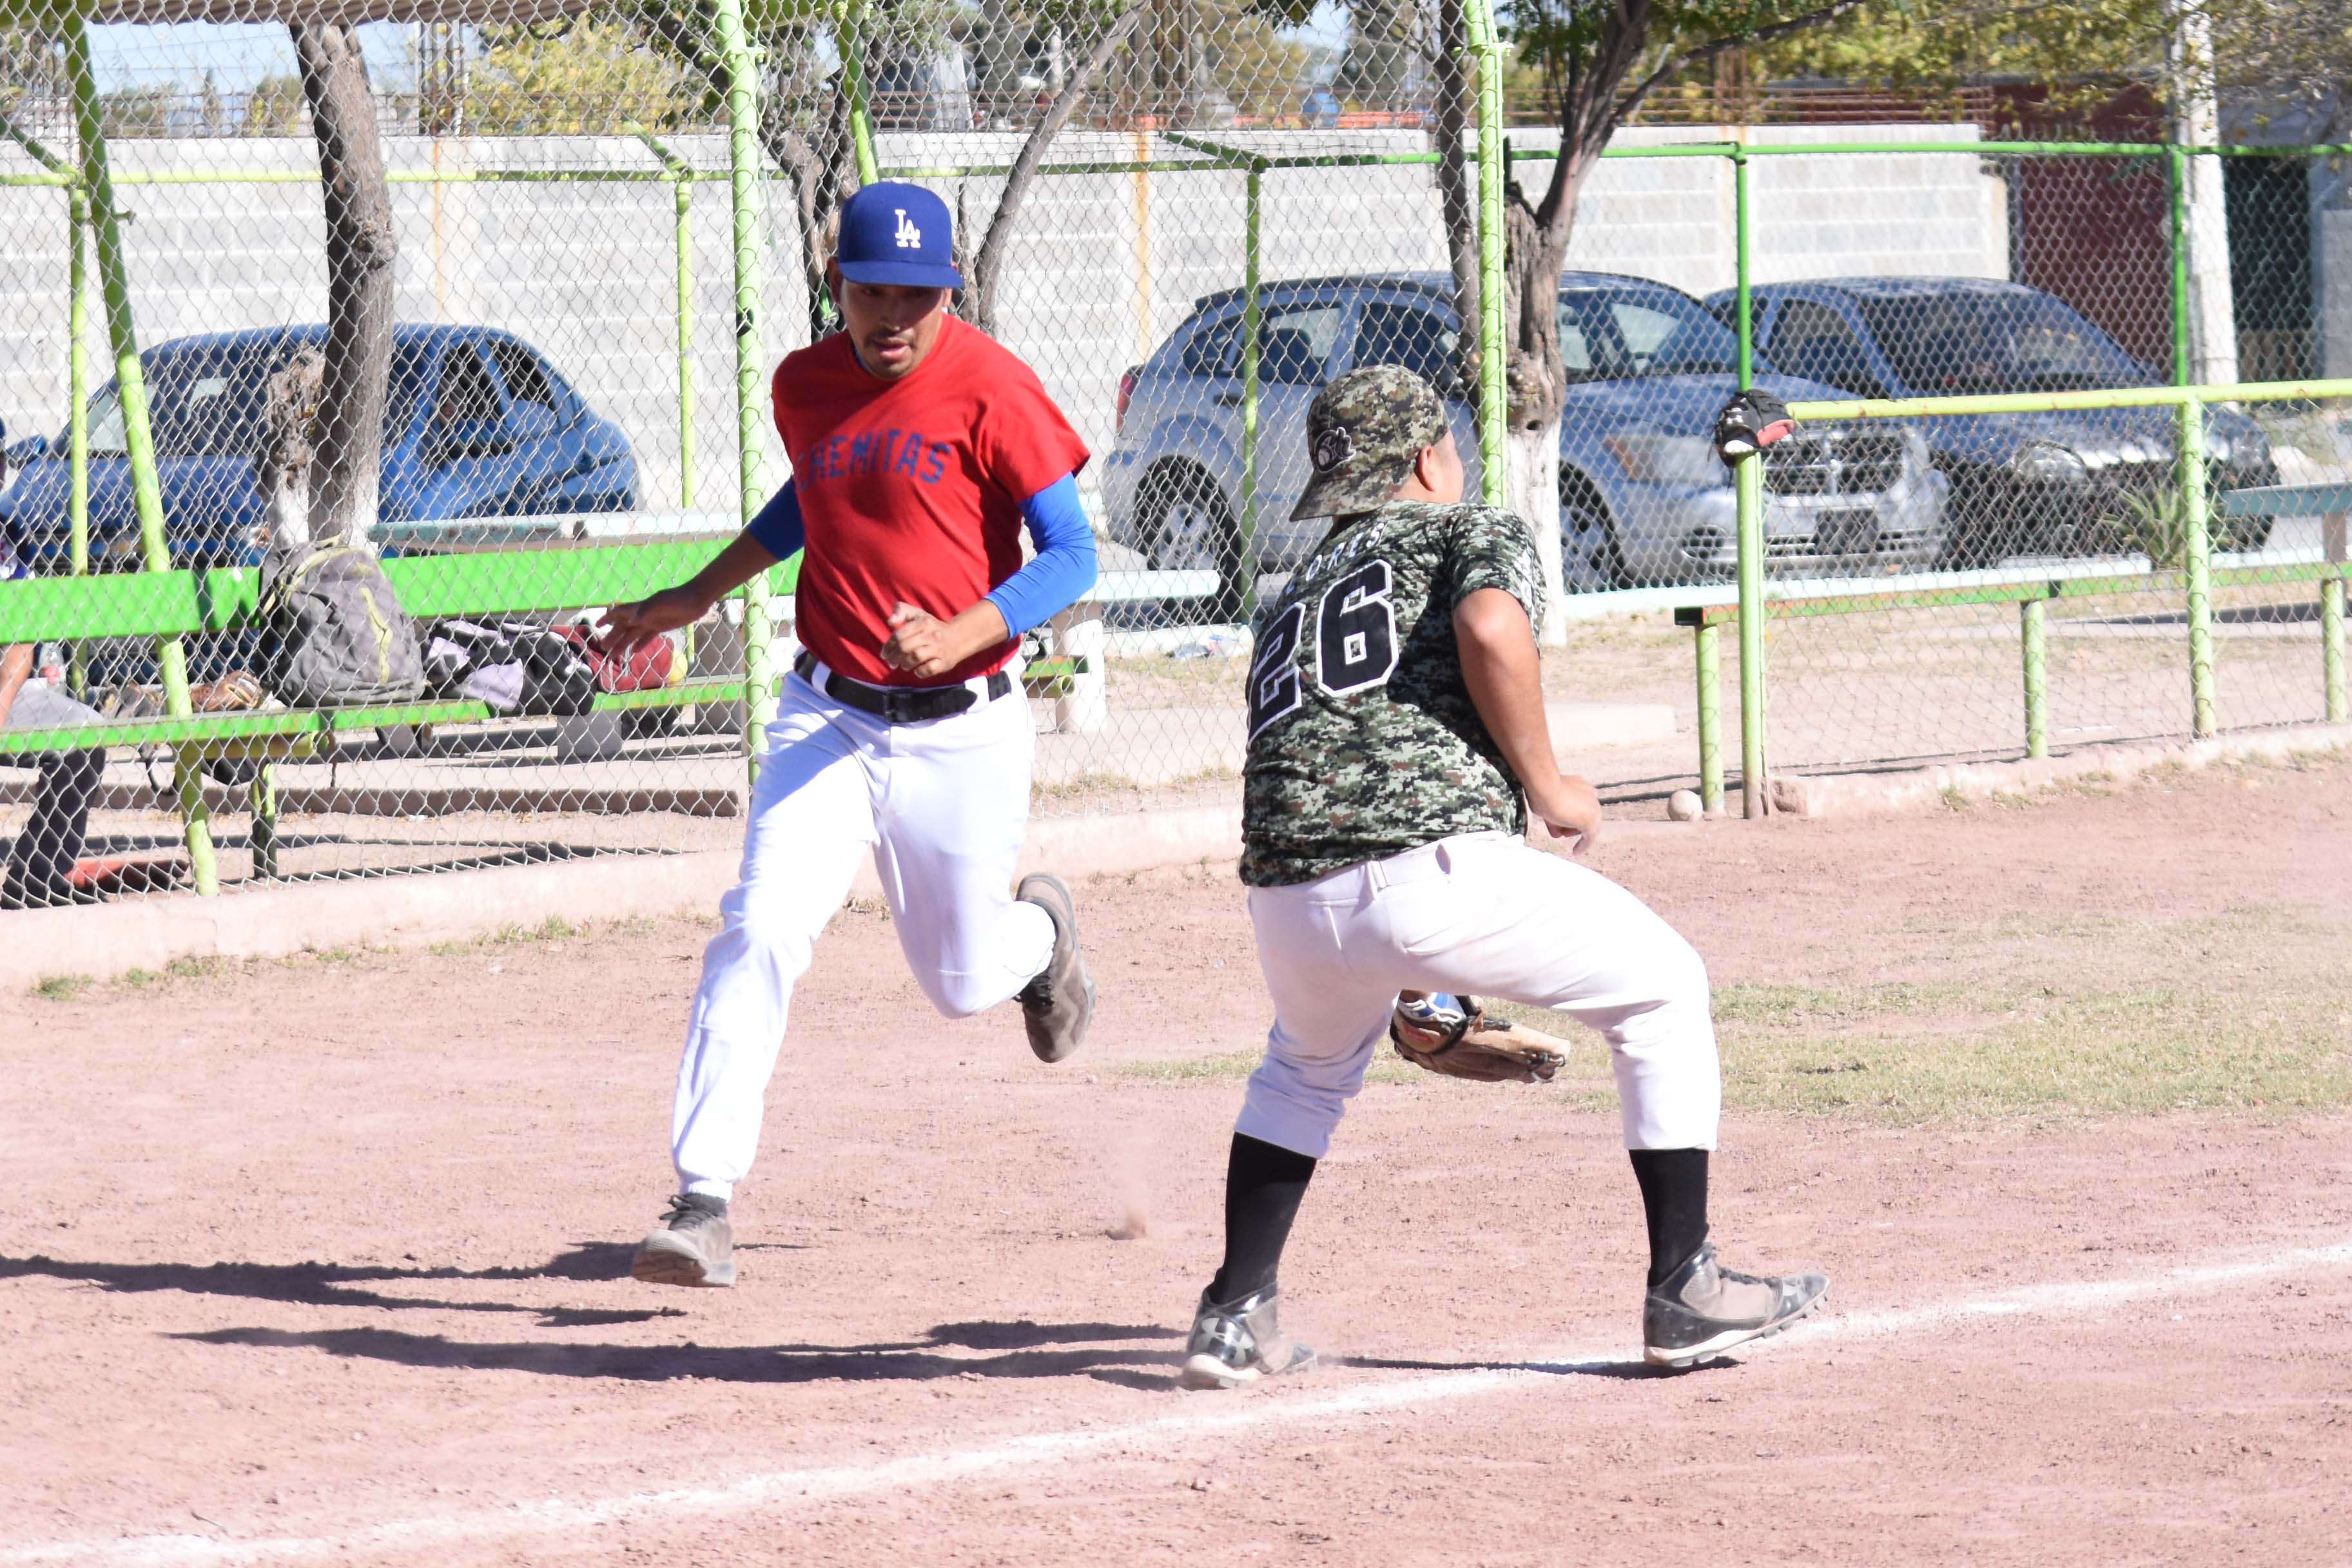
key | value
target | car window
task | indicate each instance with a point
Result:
(1995, 343)
(1620, 333)
(1294, 345)
(211, 401)
(526, 382)
(1809, 339)
(1420, 340)
(1575, 348)
(466, 390)
(1212, 349)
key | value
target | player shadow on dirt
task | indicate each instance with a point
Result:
(1021, 1349)
(342, 1284)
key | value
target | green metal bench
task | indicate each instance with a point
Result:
(224, 599)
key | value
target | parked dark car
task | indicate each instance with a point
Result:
(2035, 483)
(1643, 499)
(477, 424)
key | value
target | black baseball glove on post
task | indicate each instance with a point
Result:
(1750, 421)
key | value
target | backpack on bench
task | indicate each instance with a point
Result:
(336, 635)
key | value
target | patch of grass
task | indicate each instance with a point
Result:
(554, 928)
(1907, 1054)
(2088, 1053)
(1234, 1066)
(1586, 1082)
(61, 988)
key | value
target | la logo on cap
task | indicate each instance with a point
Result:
(910, 236)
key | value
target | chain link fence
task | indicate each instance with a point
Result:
(1186, 217)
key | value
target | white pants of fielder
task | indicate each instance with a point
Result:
(1485, 915)
(942, 804)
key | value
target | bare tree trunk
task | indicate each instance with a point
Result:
(1449, 131)
(1535, 386)
(824, 175)
(360, 248)
(282, 468)
(1594, 100)
(978, 305)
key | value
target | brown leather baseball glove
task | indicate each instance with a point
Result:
(1454, 1036)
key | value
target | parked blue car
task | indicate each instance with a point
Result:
(1643, 499)
(477, 424)
(2021, 484)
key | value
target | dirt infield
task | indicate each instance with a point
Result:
(325, 1261)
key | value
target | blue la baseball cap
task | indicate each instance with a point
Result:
(896, 232)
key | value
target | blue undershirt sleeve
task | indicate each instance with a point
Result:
(1064, 566)
(779, 528)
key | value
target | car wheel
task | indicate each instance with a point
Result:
(1187, 526)
(1590, 560)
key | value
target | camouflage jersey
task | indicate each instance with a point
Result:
(1363, 742)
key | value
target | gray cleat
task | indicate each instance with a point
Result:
(1704, 1309)
(1240, 1343)
(1060, 1002)
(695, 1244)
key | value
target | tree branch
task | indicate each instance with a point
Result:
(988, 262)
(1675, 64)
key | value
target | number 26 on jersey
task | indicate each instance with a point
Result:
(1354, 641)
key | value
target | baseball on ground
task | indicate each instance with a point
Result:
(1683, 806)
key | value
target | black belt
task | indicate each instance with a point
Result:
(895, 704)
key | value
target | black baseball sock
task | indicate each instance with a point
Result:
(1263, 1183)
(1674, 1200)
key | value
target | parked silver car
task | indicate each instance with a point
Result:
(1643, 499)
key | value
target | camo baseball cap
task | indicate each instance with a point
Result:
(1362, 434)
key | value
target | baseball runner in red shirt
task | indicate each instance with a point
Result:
(920, 447)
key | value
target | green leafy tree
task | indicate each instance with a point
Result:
(274, 107)
(574, 77)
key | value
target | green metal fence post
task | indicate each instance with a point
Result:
(1744, 303)
(1747, 476)
(1245, 590)
(685, 342)
(138, 437)
(77, 386)
(77, 415)
(852, 79)
(2198, 550)
(681, 176)
(1709, 656)
(2177, 235)
(2034, 625)
(751, 422)
(1493, 176)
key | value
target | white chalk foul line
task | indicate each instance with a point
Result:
(786, 1488)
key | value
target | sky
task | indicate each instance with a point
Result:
(239, 54)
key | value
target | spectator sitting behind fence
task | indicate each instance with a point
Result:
(41, 864)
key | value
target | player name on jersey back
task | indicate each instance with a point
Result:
(1364, 741)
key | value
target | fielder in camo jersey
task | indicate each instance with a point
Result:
(1397, 748)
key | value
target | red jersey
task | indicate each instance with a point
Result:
(911, 489)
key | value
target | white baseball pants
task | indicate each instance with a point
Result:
(1486, 915)
(943, 805)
